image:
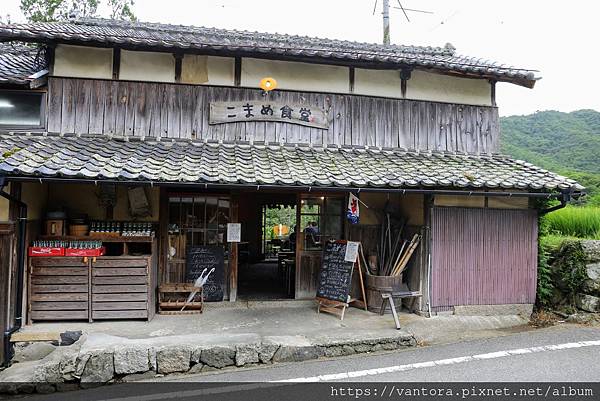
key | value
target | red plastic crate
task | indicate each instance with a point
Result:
(85, 252)
(46, 251)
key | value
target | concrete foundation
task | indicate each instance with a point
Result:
(228, 336)
(524, 310)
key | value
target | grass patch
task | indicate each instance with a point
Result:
(579, 222)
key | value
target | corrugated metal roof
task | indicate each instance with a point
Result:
(267, 45)
(100, 157)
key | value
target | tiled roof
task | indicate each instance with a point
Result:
(220, 41)
(17, 63)
(98, 158)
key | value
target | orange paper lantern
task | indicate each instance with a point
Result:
(268, 84)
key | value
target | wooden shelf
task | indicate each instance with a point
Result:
(94, 238)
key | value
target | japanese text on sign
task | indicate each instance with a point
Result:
(260, 110)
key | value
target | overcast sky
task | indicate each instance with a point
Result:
(557, 38)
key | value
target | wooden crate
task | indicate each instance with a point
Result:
(172, 297)
(59, 289)
(121, 288)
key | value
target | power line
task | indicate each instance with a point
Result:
(386, 16)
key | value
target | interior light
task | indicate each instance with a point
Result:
(322, 198)
(5, 104)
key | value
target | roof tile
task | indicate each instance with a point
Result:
(290, 165)
(92, 31)
(18, 62)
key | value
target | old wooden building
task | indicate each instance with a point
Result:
(112, 124)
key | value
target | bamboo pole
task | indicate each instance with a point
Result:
(400, 268)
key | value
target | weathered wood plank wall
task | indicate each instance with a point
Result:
(181, 111)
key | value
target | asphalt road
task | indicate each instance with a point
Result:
(564, 353)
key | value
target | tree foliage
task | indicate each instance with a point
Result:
(566, 143)
(61, 10)
(122, 9)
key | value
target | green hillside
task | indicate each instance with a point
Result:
(567, 143)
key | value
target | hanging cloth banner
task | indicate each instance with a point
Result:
(353, 211)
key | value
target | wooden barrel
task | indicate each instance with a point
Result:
(377, 284)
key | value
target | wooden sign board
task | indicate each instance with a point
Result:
(340, 258)
(263, 110)
(199, 258)
(335, 276)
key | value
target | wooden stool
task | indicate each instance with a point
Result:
(389, 297)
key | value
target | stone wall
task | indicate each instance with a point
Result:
(97, 358)
(575, 274)
(589, 297)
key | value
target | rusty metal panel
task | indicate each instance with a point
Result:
(483, 257)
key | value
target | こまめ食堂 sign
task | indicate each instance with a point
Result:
(260, 110)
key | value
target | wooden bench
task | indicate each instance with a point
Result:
(388, 297)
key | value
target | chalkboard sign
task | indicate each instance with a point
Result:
(199, 258)
(335, 276)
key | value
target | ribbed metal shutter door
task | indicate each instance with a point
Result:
(483, 257)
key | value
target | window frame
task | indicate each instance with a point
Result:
(27, 128)
(322, 215)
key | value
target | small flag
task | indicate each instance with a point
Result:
(353, 211)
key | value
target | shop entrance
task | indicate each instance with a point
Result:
(269, 274)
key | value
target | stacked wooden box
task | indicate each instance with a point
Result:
(75, 288)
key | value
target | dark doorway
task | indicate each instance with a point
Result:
(271, 275)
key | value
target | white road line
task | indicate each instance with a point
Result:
(443, 362)
(360, 373)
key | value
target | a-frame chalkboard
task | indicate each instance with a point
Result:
(335, 279)
(335, 275)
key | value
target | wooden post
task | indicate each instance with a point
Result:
(116, 67)
(493, 94)
(90, 295)
(237, 74)
(404, 77)
(163, 236)
(233, 253)
(299, 243)
(362, 283)
(178, 66)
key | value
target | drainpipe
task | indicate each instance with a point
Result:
(22, 226)
(565, 198)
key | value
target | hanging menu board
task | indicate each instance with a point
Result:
(199, 258)
(335, 276)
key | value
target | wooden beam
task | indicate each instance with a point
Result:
(33, 337)
(237, 80)
(493, 92)
(116, 67)
(7, 227)
(351, 79)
